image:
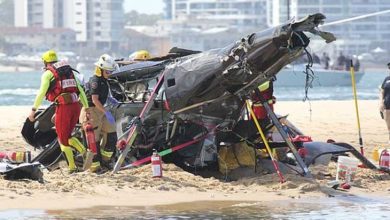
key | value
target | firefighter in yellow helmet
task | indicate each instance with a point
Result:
(140, 55)
(59, 85)
(266, 90)
(101, 119)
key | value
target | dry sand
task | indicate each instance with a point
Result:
(328, 119)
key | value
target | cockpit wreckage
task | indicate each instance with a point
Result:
(198, 108)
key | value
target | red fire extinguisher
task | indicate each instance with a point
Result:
(156, 164)
(91, 138)
(384, 159)
(121, 144)
(16, 156)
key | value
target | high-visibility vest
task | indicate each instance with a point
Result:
(266, 91)
(64, 81)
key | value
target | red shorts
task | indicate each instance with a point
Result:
(66, 119)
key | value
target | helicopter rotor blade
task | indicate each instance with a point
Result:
(356, 18)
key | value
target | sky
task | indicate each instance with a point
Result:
(144, 6)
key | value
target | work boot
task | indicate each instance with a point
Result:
(72, 171)
(79, 159)
(107, 164)
(99, 170)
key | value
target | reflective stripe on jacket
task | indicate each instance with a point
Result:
(64, 81)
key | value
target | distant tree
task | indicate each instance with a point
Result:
(6, 13)
(135, 18)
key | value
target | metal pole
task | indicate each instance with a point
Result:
(285, 137)
(274, 162)
(356, 107)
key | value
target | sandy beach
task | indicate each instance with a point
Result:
(327, 119)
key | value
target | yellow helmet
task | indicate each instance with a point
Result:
(140, 55)
(50, 56)
(264, 86)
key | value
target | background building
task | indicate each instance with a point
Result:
(105, 21)
(39, 39)
(98, 23)
(203, 24)
(206, 24)
(231, 12)
(353, 37)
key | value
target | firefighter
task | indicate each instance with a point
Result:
(140, 55)
(101, 119)
(59, 85)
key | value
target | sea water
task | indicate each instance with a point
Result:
(367, 89)
(20, 88)
(345, 207)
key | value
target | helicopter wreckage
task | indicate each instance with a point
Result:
(198, 105)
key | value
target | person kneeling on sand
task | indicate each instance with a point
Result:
(385, 101)
(59, 85)
(101, 119)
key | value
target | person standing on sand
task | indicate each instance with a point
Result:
(59, 85)
(266, 90)
(385, 101)
(325, 60)
(101, 119)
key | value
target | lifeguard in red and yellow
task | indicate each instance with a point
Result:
(266, 90)
(59, 85)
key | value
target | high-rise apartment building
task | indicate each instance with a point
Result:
(96, 22)
(105, 22)
(35, 13)
(73, 14)
(232, 12)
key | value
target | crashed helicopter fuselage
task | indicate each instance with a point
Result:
(206, 87)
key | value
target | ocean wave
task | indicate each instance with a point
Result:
(19, 91)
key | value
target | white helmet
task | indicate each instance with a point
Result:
(106, 62)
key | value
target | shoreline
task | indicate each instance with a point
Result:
(138, 198)
(162, 193)
(154, 198)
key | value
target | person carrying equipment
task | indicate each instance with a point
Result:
(59, 85)
(102, 120)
